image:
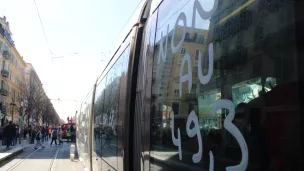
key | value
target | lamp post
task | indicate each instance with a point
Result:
(12, 111)
(21, 120)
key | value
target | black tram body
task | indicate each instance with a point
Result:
(199, 85)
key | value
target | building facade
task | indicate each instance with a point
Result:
(12, 75)
(168, 73)
(22, 97)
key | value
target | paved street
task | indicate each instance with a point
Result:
(55, 158)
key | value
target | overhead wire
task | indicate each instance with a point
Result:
(118, 35)
(47, 42)
(104, 53)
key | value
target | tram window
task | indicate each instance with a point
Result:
(237, 102)
(109, 113)
(99, 110)
(84, 118)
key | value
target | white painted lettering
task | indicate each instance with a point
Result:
(211, 162)
(188, 76)
(203, 14)
(196, 158)
(205, 79)
(163, 50)
(176, 141)
(230, 127)
(182, 17)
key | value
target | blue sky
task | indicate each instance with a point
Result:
(86, 27)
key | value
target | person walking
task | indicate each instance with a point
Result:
(54, 136)
(33, 133)
(73, 133)
(42, 134)
(9, 133)
(50, 132)
(46, 133)
(14, 140)
(17, 134)
(60, 136)
(38, 138)
(68, 134)
(24, 133)
(29, 131)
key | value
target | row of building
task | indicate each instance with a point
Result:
(16, 76)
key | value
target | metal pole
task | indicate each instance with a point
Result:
(12, 107)
(21, 123)
(23, 111)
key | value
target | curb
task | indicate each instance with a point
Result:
(14, 153)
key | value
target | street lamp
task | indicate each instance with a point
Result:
(21, 120)
(12, 110)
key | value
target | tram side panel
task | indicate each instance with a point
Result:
(110, 112)
(143, 97)
(83, 131)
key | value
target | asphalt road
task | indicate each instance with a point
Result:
(55, 158)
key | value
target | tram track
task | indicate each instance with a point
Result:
(51, 166)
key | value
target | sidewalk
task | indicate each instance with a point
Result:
(6, 153)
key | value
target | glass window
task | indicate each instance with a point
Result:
(183, 51)
(201, 39)
(109, 112)
(238, 101)
(187, 37)
(85, 115)
(175, 107)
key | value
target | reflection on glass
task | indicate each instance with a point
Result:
(84, 127)
(109, 112)
(250, 49)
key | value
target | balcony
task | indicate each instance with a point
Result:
(3, 110)
(6, 54)
(5, 73)
(4, 88)
(3, 91)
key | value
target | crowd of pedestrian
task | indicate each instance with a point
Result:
(10, 134)
(40, 134)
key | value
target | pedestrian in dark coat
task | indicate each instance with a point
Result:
(9, 133)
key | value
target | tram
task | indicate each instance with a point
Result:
(199, 85)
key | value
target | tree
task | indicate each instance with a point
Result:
(38, 105)
(32, 94)
(49, 114)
